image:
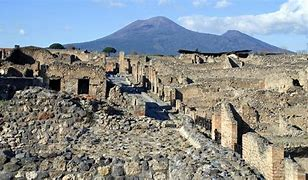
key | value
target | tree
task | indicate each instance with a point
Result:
(56, 46)
(109, 50)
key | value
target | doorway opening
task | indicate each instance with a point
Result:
(83, 86)
(55, 84)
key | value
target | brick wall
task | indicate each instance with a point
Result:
(266, 157)
(229, 128)
(216, 127)
(293, 171)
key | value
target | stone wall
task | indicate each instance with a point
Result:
(9, 69)
(41, 55)
(216, 127)
(280, 82)
(82, 55)
(293, 171)
(139, 107)
(303, 78)
(188, 92)
(124, 64)
(9, 85)
(111, 67)
(266, 157)
(192, 135)
(226, 128)
(229, 128)
(4, 53)
(21, 83)
(70, 74)
(79, 54)
(193, 58)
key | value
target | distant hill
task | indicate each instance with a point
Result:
(160, 35)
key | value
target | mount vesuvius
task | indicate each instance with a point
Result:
(160, 35)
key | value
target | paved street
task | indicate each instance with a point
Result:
(154, 108)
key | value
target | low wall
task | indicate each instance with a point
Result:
(266, 157)
(280, 82)
(8, 85)
(20, 82)
(293, 171)
(191, 134)
(139, 107)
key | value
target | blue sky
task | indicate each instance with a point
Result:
(283, 23)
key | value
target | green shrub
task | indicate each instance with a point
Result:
(56, 46)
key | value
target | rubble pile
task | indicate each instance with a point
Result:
(49, 135)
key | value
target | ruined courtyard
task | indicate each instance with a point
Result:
(71, 114)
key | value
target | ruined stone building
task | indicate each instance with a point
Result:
(251, 104)
(4, 53)
(77, 79)
(267, 102)
(71, 71)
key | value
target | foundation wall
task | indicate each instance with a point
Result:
(280, 82)
(20, 82)
(293, 171)
(266, 157)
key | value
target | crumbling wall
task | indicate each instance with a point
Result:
(189, 91)
(303, 78)
(116, 96)
(266, 157)
(111, 67)
(231, 62)
(280, 82)
(42, 55)
(216, 127)
(191, 134)
(124, 64)
(82, 55)
(69, 75)
(249, 113)
(4, 53)
(21, 70)
(229, 127)
(293, 171)
(139, 107)
(9, 85)
(193, 58)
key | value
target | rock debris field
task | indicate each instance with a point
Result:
(55, 135)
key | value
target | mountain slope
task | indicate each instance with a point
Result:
(160, 35)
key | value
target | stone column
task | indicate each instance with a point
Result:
(122, 62)
(2, 54)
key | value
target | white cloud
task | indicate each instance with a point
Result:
(116, 4)
(292, 17)
(214, 3)
(22, 32)
(111, 3)
(199, 3)
(162, 2)
(222, 3)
